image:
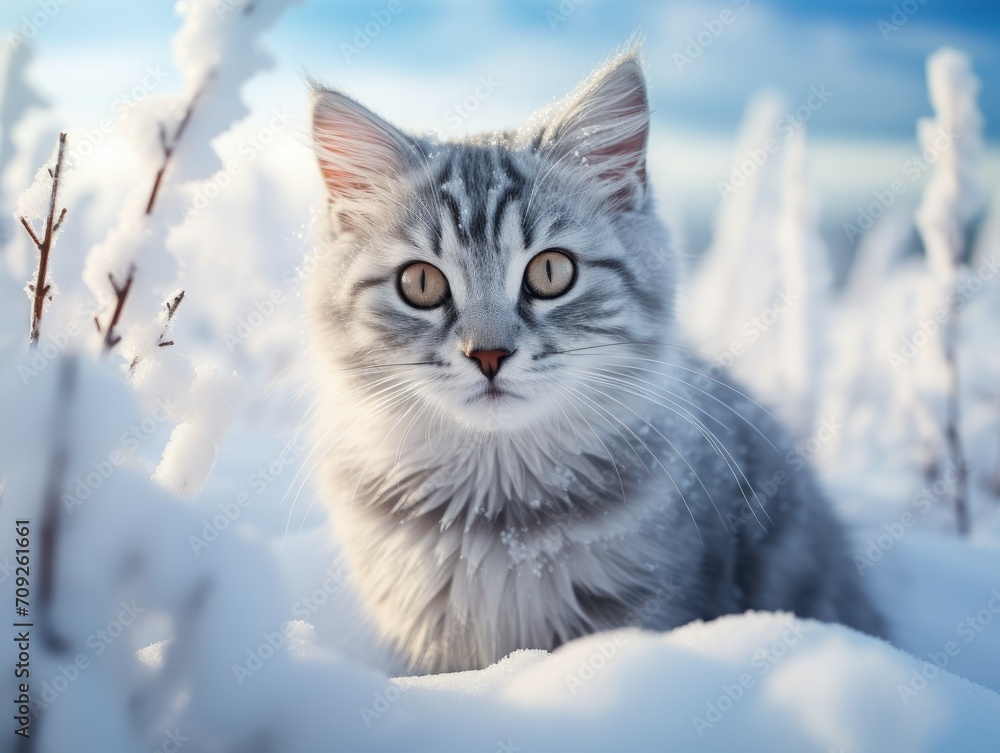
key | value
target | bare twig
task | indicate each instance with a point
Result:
(171, 307)
(44, 245)
(173, 304)
(111, 337)
(169, 147)
(31, 232)
(62, 216)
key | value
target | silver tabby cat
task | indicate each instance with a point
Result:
(515, 451)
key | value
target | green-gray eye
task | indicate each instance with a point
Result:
(550, 274)
(423, 285)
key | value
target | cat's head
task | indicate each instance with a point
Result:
(496, 281)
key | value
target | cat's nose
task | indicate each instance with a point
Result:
(489, 360)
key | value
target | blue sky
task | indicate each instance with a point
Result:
(790, 45)
(787, 45)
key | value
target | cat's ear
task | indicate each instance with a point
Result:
(604, 126)
(361, 156)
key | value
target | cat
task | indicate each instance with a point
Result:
(515, 448)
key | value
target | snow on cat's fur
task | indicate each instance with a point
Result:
(600, 477)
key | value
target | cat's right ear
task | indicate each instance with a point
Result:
(361, 156)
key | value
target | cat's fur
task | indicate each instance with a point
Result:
(615, 482)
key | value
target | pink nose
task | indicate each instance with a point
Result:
(489, 360)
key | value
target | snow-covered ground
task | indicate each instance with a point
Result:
(184, 590)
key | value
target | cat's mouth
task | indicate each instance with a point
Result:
(492, 393)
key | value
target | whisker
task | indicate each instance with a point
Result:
(687, 507)
(703, 391)
(610, 456)
(650, 343)
(384, 397)
(371, 457)
(714, 442)
(388, 406)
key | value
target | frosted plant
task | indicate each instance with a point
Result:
(132, 270)
(40, 289)
(805, 269)
(949, 200)
(758, 302)
(739, 273)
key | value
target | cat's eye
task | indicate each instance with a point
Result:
(423, 285)
(550, 274)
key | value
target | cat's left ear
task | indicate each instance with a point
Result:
(604, 127)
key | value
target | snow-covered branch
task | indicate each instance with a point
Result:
(111, 336)
(217, 52)
(169, 145)
(40, 289)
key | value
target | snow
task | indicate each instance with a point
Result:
(190, 454)
(197, 596)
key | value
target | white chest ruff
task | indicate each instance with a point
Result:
(463, 585)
